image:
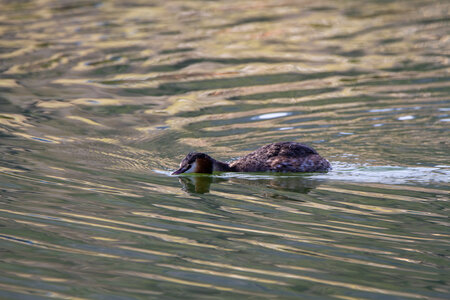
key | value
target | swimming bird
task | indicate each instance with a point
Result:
(275, 157)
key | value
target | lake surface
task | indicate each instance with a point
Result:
(100, 100)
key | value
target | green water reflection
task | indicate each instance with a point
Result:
(99, 102)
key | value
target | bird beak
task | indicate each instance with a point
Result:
(181, 170)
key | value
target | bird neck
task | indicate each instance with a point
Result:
(203, 165)
(219, 166)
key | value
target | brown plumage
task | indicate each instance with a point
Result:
(276, 157)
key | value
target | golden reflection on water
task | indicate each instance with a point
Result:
(191, 283)
(164, 237)
(34, 291)
(372, 194)
(284, 248)
(85, 184)
(223, 274)
(307, 278)
(99, 101)
(43, 245)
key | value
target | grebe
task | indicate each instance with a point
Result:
(275, 157)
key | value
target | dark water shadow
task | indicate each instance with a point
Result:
(284, 94)
(175, 88)
(201, 184)
(248, 20)
(424, 21)
(226, 61)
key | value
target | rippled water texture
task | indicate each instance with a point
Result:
(100, 100)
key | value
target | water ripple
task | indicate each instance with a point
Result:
(100, 102)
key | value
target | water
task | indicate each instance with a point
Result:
(99, 101)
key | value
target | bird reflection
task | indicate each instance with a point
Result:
(201, 184)
(196, 184)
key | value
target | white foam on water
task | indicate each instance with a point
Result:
(363, 173)
(404, 118)
(271, 116)
(387, 174)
